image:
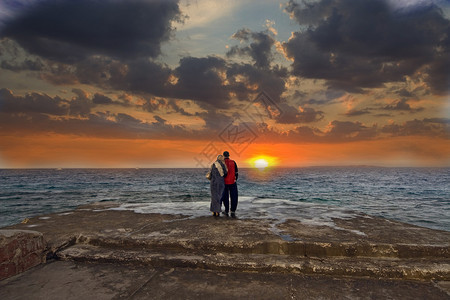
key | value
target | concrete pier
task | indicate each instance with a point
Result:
(172, 256)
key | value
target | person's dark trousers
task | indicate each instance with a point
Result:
(230, 192)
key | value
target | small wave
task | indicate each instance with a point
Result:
(277, 210)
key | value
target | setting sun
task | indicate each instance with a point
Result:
(262, 161)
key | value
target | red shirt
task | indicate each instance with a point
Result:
(231, 176)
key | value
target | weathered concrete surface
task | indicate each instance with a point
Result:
(358, 248)
(74, 280)
(20, 250)
(429, 269)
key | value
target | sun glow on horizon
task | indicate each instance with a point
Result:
(262, 162)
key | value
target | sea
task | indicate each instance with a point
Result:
(313, 195)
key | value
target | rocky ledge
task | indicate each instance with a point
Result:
(359, 248)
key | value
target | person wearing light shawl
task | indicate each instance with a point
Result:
(218, 172)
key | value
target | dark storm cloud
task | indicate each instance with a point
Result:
(170, 106)
(358, 112)
(209, 81)
(405, 93)
(272, 81)
(60, 74)
(402, 105)
(304, 134)
(70, 31)
(261, 74)
(104, 125)
(101, 99)
(35, 113)
(126, 119)
(96, 70)
(197, 79)
(214, 121)
(38, 113)
(260, 50)
(337, 132)
(364, 43)
(291, 115)
(81, 105)
(33, 103)
(141, 76)
(315, 102)
(162, 129)
(346, 131)
(176, 108)
(152, 105)
(427, 127)
(25, 65)
(200, 79)
(443, 121)
(438, 71)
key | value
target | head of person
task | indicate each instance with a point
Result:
(226, 154)
(220, 157)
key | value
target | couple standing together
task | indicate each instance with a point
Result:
(223, 176)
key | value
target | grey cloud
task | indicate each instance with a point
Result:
(242, 34)
(152, 105)
(291, 115)
(170, 106)
(176, 108)
(33, 103)
(338, 132)
(101, 99)
(60, 74)
(272, 81)
(69, 31)
(81, 105)
(364, 44)
(348, 131)
(105, 125)
(405, 93)
(199, 79)
(35, 113)
(214, 121)
(122, 118)
(444, 121)
(260, 50)
(402, 105)
(429, 127)
(25, 65)
(142, 76)
(358, 112)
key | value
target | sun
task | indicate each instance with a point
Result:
(261, 162)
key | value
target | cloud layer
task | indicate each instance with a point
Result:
(68, 31)
(364, 44)
(352, 70)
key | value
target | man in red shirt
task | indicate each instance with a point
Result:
(230, 186)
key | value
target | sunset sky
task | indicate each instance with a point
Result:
(145, 83)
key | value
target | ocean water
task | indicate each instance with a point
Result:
(419, 196)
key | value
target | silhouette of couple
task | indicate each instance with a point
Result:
(223, 175)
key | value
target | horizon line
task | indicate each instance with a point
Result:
(268, 168)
